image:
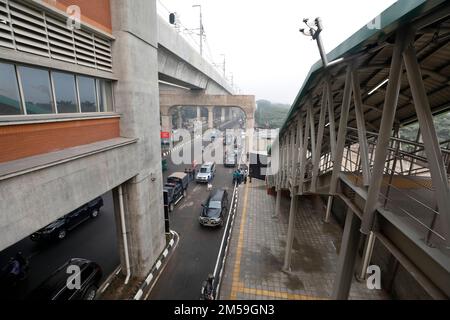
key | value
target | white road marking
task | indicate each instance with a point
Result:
(149, 278)
(138, 295)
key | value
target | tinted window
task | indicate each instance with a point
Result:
(88, 96)
(105, 95)
(36, 90)
(215, 204)
(9, 91)
(65, 92)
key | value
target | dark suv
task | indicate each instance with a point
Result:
(214, 211)
(57, 230)
(56, 286)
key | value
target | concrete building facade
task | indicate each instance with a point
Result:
(90, 129)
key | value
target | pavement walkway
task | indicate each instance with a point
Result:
(253, 269)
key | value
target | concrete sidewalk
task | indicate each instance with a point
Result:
(254, 265)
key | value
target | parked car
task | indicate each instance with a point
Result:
(206, 173)
(55, 286)
(57, 230)
(175, 189)
(214, 211)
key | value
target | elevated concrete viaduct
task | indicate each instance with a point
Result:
(181, 65)
(192, 98)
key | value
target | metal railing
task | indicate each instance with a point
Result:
(407, 189)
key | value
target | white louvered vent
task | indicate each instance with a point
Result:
(61, 42)
(29, 29)
(84, 46)
(6, 39)
(45, 34)
(103, 54)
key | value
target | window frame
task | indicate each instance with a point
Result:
(24, 115)
(77, 96)
(97, 81)
(20, 92)
(19, 79)
(97, 106)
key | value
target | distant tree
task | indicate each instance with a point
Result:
(270, 115)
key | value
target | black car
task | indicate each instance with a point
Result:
(214, 211)
(57, 230)
(56, 286)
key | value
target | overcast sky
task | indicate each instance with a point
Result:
(265, 52)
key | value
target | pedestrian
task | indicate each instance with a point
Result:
(235, 176)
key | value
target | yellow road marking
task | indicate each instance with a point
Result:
(276, 294)
(237, 263)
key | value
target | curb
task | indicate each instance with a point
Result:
(108, 280)
(156, 269)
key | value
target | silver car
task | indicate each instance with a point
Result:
(206, 173)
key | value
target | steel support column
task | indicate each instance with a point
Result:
(290, 235)
(340, 145)
(303, 155)
(387, 121)
(299, 148)
(313, 131)
(367, 256)
(278, 203)
(432, 148)
(361, 124)
(331, 119)
(318, 151)
(347, 257)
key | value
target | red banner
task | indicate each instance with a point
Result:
(165, 135)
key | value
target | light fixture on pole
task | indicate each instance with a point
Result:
(314, 29)
(202, 30)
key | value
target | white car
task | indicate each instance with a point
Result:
(206, 173)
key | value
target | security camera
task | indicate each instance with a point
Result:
(309, 23)
(307, 33)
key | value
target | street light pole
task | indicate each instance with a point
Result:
(315, 29)
(202, 31)
(224, 65)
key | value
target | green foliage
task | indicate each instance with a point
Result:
(270, 115)
(441, 122)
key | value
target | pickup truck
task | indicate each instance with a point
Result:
(175, 189)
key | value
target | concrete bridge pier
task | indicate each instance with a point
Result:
(166, 123)
(210, 117)
(180, 118)
(134, 25)
(222, 118)
(199, 114)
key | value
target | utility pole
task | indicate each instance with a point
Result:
(202, 31)
(224, 66)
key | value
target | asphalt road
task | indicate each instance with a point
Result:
(95, 240)
(197, 250)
